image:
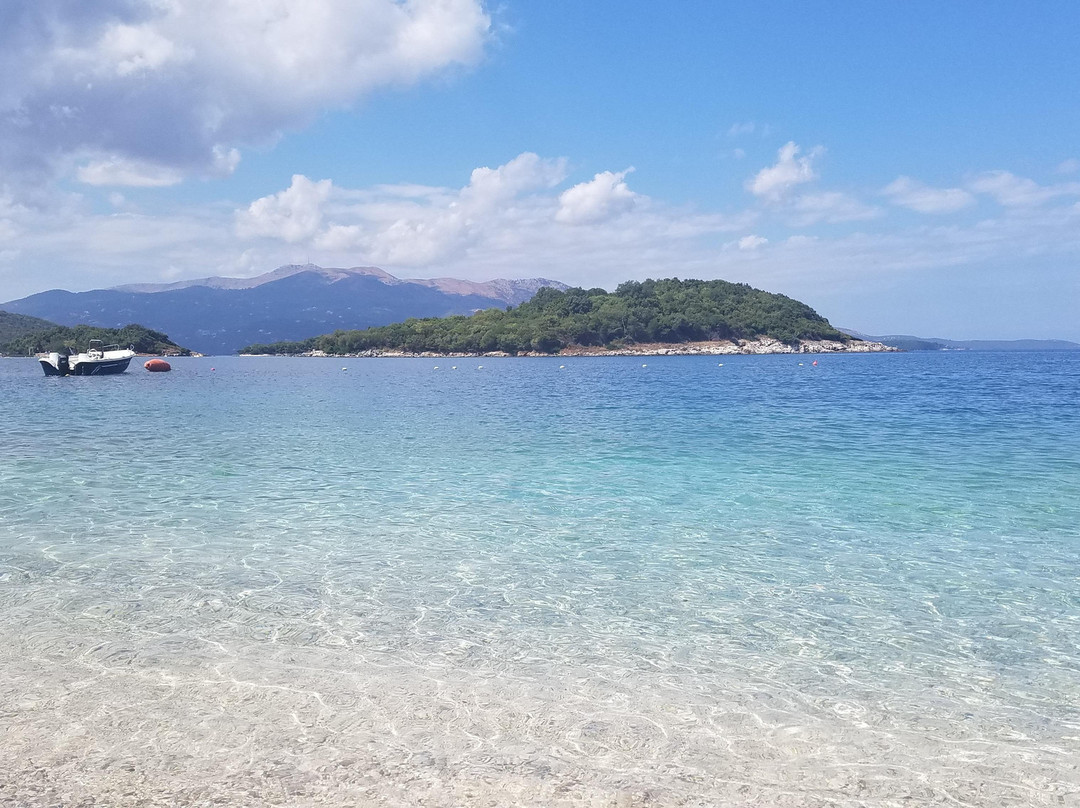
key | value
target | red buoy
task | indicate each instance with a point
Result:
(157, 366)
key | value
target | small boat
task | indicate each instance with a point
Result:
(97, 360)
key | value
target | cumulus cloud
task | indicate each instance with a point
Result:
(292, 215)
(525, 172)
(912, 194)
(405, 225)
(602, 197)
(416, 225)
(176, 85)
(510, 215)
(774, 182)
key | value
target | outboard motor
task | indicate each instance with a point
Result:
(50, 363)
(55, 363)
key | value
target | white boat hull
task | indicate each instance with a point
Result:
(86, 364)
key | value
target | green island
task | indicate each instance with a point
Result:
(21, 335)
(652, 312)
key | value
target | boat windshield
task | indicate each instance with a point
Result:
(98, 348)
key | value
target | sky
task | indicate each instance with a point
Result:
(902, 167)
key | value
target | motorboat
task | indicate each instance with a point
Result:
(97, 360)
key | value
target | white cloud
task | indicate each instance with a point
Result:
(292, 215)
(180, 84)
(340, 238)
(137, 48)
(414, 225)
(912, 194)
(133, 173)
(1013, 191)
(506, 216)
(831, 207)
(526, 172)
(752, 242)
(65, 244)
(776, 181)
(602, 197)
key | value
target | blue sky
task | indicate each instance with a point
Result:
(902, 167)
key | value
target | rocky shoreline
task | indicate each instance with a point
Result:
(764, 345)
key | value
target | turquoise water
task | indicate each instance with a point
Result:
(275, 581)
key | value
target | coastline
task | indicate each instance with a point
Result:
(762, 346)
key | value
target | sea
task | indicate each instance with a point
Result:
(593, 581)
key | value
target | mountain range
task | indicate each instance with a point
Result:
(220, 315)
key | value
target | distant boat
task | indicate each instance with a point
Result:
(98, 360)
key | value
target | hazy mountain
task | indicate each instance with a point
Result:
(906, 342)
(220, 315)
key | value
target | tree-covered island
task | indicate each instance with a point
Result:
(37, 338)
(652, 312)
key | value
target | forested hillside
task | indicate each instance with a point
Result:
(14, 325)
(77, 338)
(663, 311)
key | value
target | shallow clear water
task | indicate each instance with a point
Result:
(273, 581)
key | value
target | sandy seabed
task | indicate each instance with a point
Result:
(109, 717)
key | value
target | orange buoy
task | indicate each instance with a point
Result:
(157, 366)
